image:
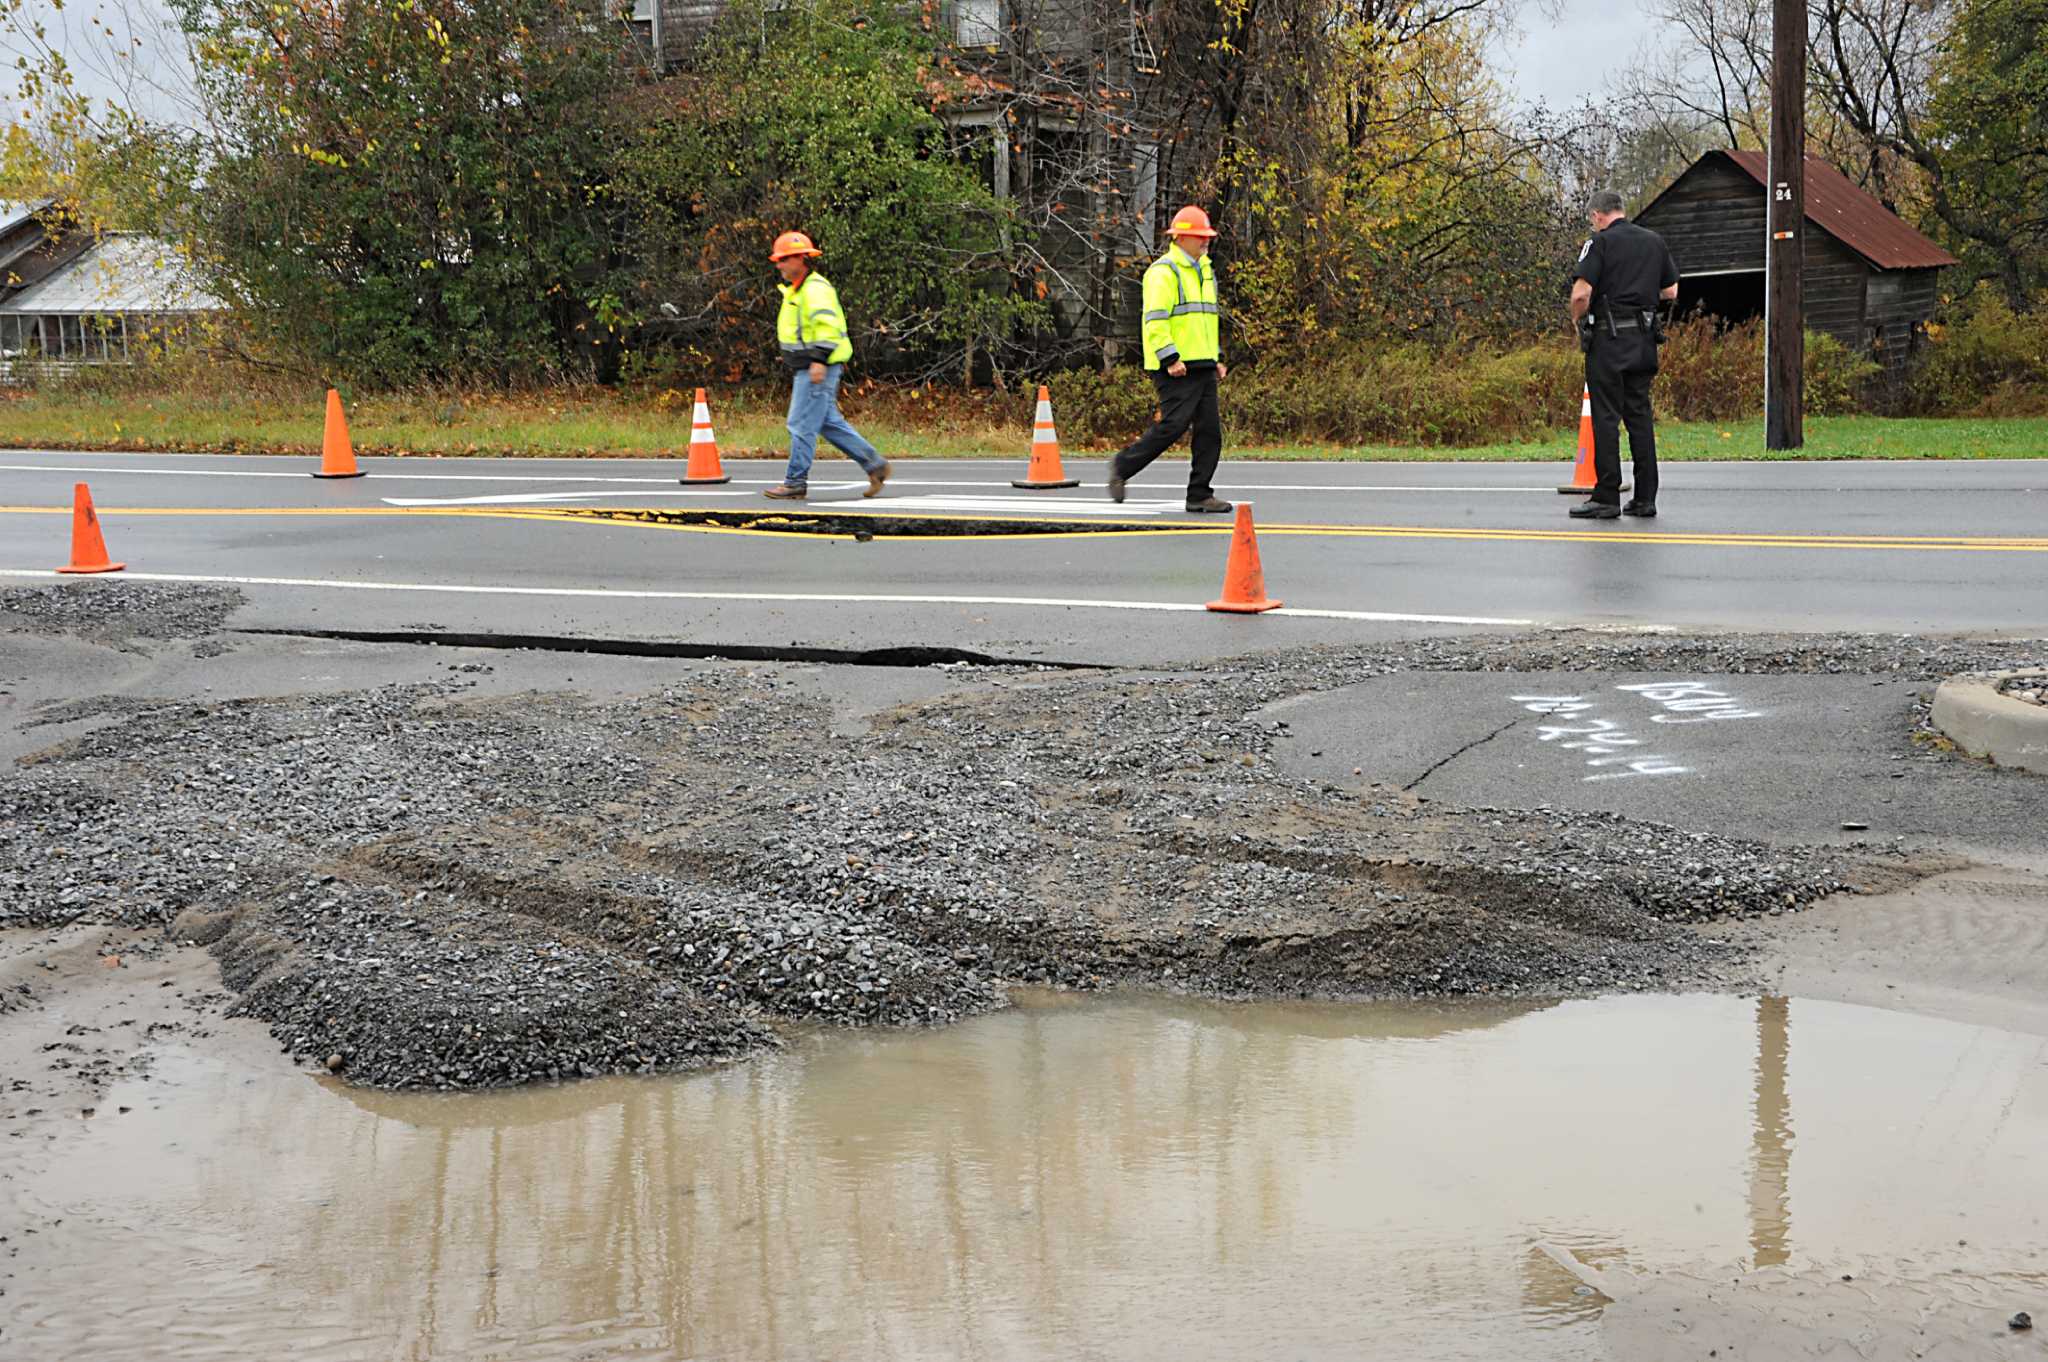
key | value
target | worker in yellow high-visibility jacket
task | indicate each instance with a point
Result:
(812, 332)
(1184, 354)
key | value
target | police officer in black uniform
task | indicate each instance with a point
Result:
(1624, 273)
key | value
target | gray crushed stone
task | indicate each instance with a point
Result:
(410, 990)
(114, 610)
(2030, 688)
(1578, 650)
(441, 891)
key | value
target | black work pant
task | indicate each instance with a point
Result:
(1619, 371)
(1184, 404)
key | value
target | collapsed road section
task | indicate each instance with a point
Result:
(423, 885)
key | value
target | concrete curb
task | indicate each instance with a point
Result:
(1984, 723)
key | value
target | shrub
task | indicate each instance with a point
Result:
(1983, 359)
(1395, 395)
(1708, 373)
(1837, 378)
(412, 191)
(1416, 395)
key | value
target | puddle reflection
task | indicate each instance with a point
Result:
(1084, 1178)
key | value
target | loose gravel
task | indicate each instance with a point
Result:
(419, 887)
(113, 612)
(2031, 688)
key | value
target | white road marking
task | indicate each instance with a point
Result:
(378, 470)
(974, 505)
(1026, 501)
(792, 597)
(556, 498)
(261, 473)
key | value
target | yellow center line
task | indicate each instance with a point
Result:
(652, 518)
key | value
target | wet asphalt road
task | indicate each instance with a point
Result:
(1368, 550)
(1784, 759)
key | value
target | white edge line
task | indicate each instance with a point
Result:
(820, 497)
(378, 471)
(602, 593)
(1404, 619)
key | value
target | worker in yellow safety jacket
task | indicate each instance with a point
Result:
(1184, 354)
(813, 335)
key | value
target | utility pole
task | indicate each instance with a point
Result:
(1785, 248)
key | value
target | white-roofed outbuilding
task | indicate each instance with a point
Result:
(100, 307)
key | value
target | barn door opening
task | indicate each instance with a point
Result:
(1731, 297)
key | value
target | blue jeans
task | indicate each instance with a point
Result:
(814, 411)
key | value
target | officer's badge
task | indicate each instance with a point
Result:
(1585, 248)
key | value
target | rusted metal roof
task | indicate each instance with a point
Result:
(1849, 215)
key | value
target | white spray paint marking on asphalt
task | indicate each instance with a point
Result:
(1605, 741)
(769, 597)
(1691, 702)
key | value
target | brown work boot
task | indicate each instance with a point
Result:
(1210, 504)
(877, 478)
(786, 493)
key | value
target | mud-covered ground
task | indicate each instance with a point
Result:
(418, 886)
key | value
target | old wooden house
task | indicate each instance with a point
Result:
(1870, 279)
(1062, 115)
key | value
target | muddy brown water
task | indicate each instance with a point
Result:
(1075, 1178)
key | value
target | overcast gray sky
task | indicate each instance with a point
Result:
(1557, 61)
(128, 50)
(1562, 61)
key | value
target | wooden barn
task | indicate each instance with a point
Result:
(1870, 278)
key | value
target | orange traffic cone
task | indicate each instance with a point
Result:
(88, 548)
(1045, 471)
(1584, 476)
(337, 456)
(704, 466)
(1244, 581)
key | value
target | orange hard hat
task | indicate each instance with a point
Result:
(792, 243)
(1191, 221)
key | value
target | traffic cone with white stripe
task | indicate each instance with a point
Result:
(1045, 471)
(704, 466)
(1585, 477)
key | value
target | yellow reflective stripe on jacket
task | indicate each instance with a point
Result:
(1182, 319)
(810, 321)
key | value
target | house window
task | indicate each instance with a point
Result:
(977, 23)
(1058, 160)
(976, 141)
(643, 11)
(974, 146)
(1145, 195)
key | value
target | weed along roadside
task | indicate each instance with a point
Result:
(599, 423)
